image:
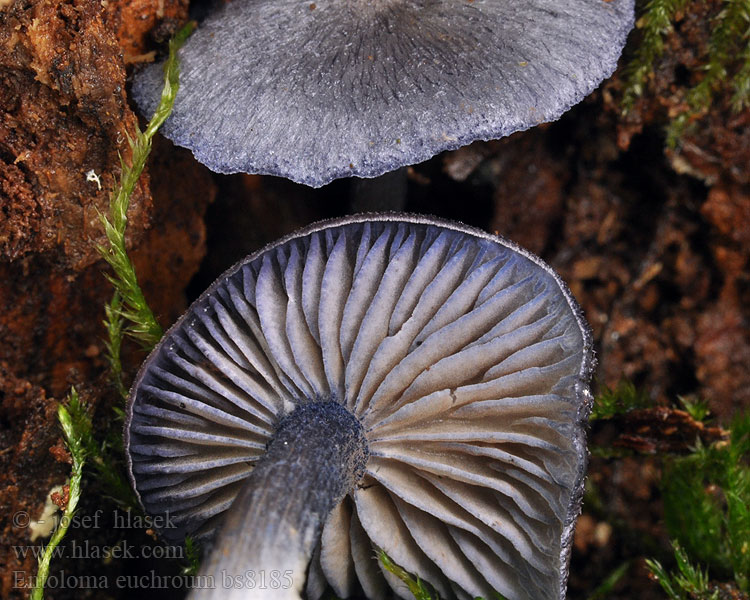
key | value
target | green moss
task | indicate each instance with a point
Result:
(192, 557)
(128, 312)
(104, 458)
(696, 407)
(655, 21)
(725, 65)
(707, 504)
(416, 586)
(69, 414)
(115, 325)
(689, 582)
(610, 402)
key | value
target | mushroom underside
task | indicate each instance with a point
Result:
(464, 359)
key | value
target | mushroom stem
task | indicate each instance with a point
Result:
(314, 459)
(385, 193)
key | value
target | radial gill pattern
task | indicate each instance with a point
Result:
(464, 358)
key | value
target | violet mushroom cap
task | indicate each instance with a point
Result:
(459, 363)
(318, 91)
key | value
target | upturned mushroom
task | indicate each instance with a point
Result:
(314, 91)
(376, 382)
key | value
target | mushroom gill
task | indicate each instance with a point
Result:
(314, 91)
(422, 383)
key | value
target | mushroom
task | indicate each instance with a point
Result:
(314, 91)
(383, 382)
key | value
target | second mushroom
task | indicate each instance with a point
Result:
(376, 382)
(314, 91)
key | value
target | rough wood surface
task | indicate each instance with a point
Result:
(64, 113)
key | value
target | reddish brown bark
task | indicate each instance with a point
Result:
(64, 114)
